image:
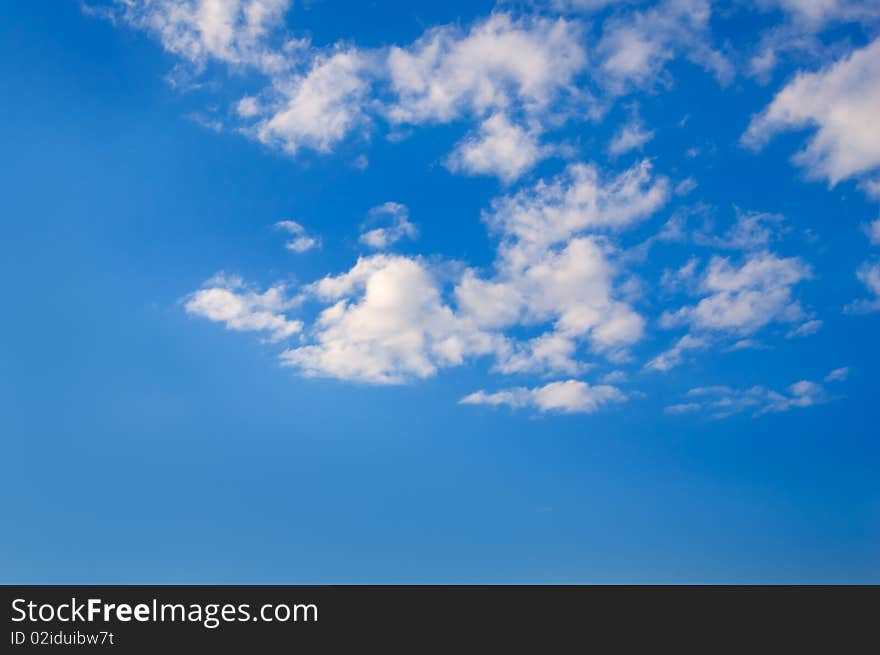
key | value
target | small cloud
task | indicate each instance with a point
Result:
(500, 148)
(302, 242)
(398, 227)
(632, 136)
(684, 187)
(614, 377)
(805, 329)
(682, 408)
(567, 397)
(226, 299)
(838, 374)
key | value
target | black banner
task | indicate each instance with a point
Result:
(128, 619)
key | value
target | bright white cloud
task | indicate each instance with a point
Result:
(576, 200)
(227, 300)
(231, 31)
(388, 325)
(549, 270)
(320, 108)
(569, 397)
(499, 148)
(840, 102)
(498, 64)
(398, 227)
(743, 299)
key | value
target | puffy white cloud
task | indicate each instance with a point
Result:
(635, 47)
(499, 148)
(722, 401)
(230, 31)
(840, 102)
(227, 300)
(399, 227)
(569, 396)
(388, 325)
(498, 64)
(743, 299)
(576, 200)
(302, 242)
(319, 108)
(549, 270)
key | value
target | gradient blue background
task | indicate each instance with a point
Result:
(140, 445)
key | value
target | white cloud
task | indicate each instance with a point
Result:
(805, 329)
(869, 275)
(721, 402)
(302, 242)
(226, 300)
(399, 227)
(750, 230)
(496, 65)
(838, 375)
(840, 102)
(635, 47)
(671, 358)
(569, 397)
(499, 148)
(388, 325)
(230, 31)
(576, 200)
(320, 108)
(631, 136)
(743, 299)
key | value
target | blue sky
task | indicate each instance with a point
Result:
(571, 291)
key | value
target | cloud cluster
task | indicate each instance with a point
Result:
(393, 318)
(561, 292)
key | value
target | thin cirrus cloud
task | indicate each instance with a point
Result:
(721, 401)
